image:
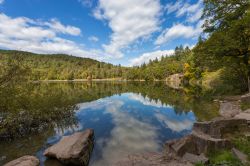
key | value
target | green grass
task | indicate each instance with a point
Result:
(243, 144)
(221, 158)
(199, 164)
(224, 158)
(245, 106)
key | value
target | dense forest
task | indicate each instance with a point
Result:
(219, 60)
(60, 66)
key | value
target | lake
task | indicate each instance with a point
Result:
(127, 117)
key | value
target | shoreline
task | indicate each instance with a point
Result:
(96, 80)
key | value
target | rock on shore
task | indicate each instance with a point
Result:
(24, 161)
(245, 98)
(206, 136)
(74, 149)
(229, 109)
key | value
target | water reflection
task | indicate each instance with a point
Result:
(130, 126)
(147, 101)
(127, 117)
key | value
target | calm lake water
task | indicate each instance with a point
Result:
(127, 118)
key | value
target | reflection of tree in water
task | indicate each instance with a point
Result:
(27, 108)
(189, 99)
(25, 145)
(30, 107)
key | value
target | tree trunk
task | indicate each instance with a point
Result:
(246, 61)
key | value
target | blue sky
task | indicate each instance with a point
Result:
(127, 32)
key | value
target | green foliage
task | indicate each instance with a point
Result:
(243, 144)
(11, 70)
(244, 106)
(223, 158)
(60, 67)
(199, 164)
(226, 48)
(219, 13)
(161, 69)
(228, 43)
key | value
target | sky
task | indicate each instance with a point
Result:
(126, 32)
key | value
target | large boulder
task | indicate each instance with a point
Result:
(74, 149)
(245, 98)
(219, 127)
(206, 136)
(175, 81)
(204, 143)
(196, 143)
(229, 109)
(244, 115)
(24, 161)
(179, 147)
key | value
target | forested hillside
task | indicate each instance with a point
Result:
(160, 69)
(219, 61)
(60, 66)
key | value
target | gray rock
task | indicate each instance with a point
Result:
(217, 128)
(229, 109)
(24, 161)
(205, 136)
(74, 149)
(180, 146)
(194, 159)
(2, 158)
(175, 81)
(243, 115)
(245, 98)
(203, 143)
(241, 156)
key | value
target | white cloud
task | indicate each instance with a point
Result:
(25, 34)
(87, 3)
(173, 7)
(93, 39)
(130, 20)
(1, 1)
(128, 135)
(193, 12)
(146, 57)
(175, 124)
(58, 27)
(179, 31)
(19, 28)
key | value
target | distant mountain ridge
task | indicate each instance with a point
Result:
(62, 66)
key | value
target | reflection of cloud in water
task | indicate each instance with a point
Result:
(95, 105)
(147, 101)
(131, 130)
(175, 124)
(128, 136)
